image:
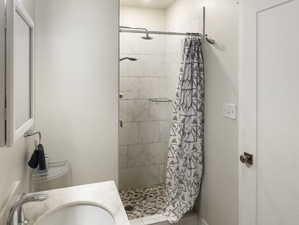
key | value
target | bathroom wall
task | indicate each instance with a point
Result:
(219, 199)
(144, 136)
(13, 159)
(77, 94)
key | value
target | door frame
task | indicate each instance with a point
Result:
(247, 111)
(2, 73)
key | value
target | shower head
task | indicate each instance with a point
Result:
(139, 30)
(128, 58)
(147, 37)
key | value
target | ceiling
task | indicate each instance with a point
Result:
(159, 4)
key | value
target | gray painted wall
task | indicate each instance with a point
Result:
(219, 200)
(220, 195)
(77, 85)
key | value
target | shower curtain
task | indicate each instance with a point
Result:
(185, 156)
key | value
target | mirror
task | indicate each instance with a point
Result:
(19, 74)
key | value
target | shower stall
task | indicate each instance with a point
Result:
(145, 114)
(150, 58)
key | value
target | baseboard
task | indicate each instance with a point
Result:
(203, 221)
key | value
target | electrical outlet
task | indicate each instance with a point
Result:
(230, 111)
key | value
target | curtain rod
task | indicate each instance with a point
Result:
(128, 30)
(124, 29)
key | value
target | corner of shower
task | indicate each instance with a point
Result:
(149, 128)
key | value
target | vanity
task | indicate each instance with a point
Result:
(91, 204)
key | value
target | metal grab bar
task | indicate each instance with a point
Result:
(160, 100)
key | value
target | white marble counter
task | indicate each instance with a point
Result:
(104, 194)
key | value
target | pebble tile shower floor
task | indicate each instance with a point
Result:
(142, 202)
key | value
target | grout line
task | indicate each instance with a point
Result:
(139, 99)
(145, 143)
(145, 166)
(141, 76)
(146, 121)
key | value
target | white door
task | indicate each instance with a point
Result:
(269, 112)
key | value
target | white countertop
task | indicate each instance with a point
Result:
(104, 194)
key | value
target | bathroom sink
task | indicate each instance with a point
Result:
(77, 214)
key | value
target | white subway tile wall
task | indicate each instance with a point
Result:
(145, 132)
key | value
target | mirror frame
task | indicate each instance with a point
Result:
(2, 74)
(15, 8)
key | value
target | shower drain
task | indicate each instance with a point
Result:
(129, 208)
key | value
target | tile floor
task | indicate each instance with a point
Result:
(145, 206)
(143, 202)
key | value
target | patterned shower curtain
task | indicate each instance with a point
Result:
(185, 156)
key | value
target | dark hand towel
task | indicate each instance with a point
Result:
(33, 162)
(41, 157)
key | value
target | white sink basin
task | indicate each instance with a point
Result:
(77, 214)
